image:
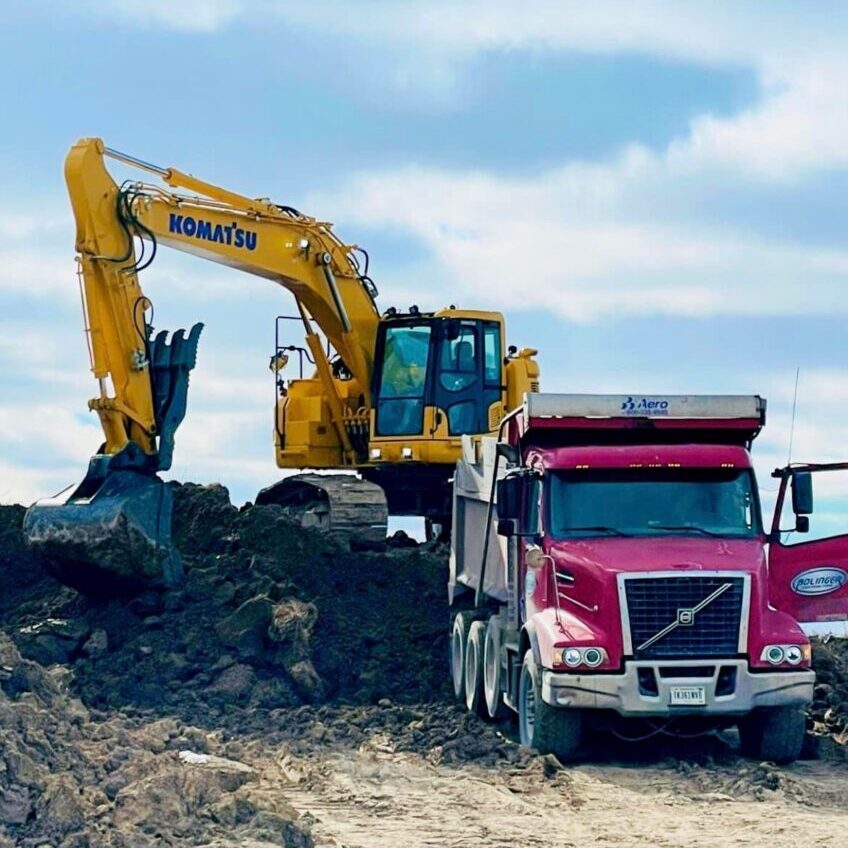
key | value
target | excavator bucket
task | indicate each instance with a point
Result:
(113, 531)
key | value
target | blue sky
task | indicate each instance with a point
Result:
(654, 193)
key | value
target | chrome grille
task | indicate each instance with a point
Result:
(655, 603)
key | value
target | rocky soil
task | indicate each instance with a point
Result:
(293, 693)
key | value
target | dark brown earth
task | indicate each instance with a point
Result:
(279, 640)
(270, 617)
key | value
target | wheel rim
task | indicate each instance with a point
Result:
(471, 663)
(527, 706)
(491, 667)
(457, 662)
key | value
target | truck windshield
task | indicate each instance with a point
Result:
(653, 502)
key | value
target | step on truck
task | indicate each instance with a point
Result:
(609, 569)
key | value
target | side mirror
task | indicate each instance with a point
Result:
(509, 498)
(802, 524)
(802, 494)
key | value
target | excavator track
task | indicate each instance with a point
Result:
(351, 509)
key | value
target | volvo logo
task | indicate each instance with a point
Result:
(685, 617)
(819, 581)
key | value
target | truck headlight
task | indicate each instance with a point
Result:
(794, 654)
(774, 654)
(791, 654)
(593, 657)
(574, 657)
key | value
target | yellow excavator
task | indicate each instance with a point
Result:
(389, 396)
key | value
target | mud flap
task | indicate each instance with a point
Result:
(113, 532)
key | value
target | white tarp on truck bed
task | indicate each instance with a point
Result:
(706, 407)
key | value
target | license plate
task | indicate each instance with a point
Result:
(688, 696)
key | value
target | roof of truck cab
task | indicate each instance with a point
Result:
(640, 456)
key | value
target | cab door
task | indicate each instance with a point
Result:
(808, 555)
(468, 374)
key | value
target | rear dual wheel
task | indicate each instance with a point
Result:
(475, 665)
(459, 638)
(495, 707)
(475, 697)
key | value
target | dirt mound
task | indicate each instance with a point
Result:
(71, 779)
(270, 615)
(829, 712)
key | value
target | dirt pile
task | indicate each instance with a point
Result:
(121, 717)
(72, 778)
(269, 616)
(829, 711)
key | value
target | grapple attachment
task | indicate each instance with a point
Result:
(113, 532)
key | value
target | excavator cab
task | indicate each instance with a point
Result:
(438, 376)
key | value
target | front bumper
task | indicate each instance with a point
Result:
(621, 692)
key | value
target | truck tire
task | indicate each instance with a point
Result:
(475, 698)
(495, 707)
(459, 637)
(550, 730)
(775, 734)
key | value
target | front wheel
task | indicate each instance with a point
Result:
(550, 730)
(775, 734)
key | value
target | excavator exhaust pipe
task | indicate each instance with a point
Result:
(112, 534)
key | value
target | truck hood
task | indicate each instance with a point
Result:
(670, 553)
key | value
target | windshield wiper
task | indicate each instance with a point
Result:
(613, 531)
(692, 527)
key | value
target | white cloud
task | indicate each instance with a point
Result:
(577, 241)
(191, 15)
(800, 123)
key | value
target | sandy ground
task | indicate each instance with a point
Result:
(372, 798)
(376, 796)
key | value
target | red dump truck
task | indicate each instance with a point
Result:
(610, 569)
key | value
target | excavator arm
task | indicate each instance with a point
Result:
(115, 526)
(438, 378)
(255, 236)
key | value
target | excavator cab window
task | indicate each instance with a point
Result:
(469, 378)
(403, 380)
(453, 364)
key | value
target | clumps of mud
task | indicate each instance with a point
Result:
(122, 719)
(829, 711)
(269, 616)
(75, 778)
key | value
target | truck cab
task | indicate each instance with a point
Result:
(609, 567)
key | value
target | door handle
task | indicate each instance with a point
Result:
(437, 421)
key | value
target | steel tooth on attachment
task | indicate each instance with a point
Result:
(160, 373)
(172, 365)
